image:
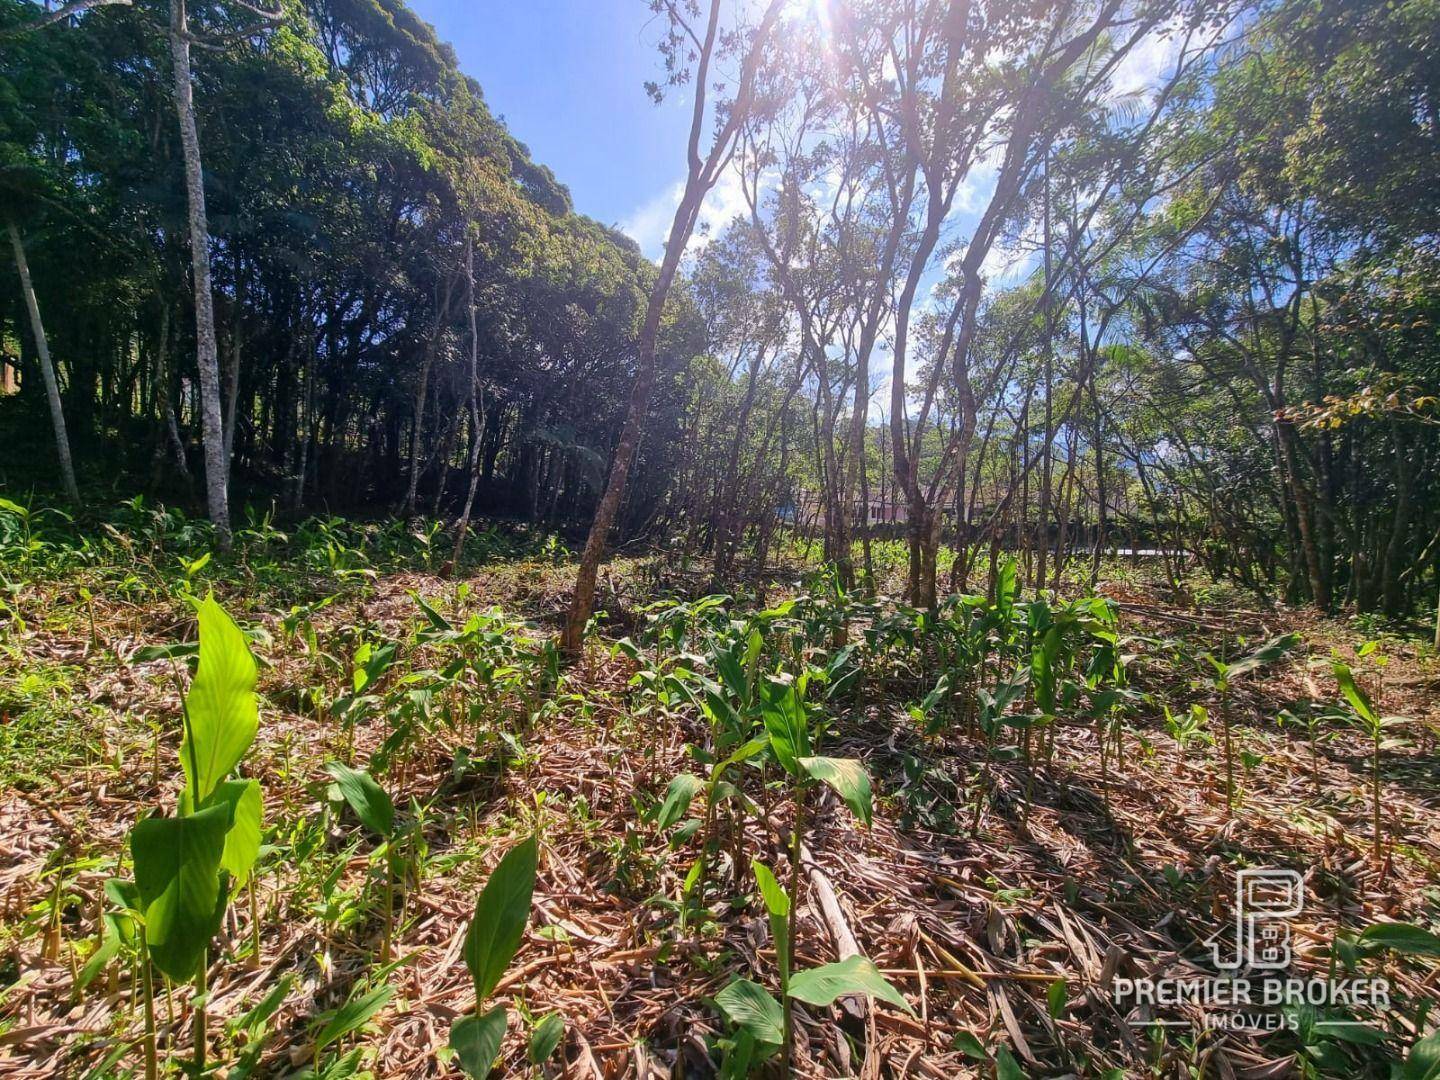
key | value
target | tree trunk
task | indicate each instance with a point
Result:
(700, 177)
(47, 370)
(1393, 567)
(442, 308)
(1304, 515)
(1046, 465)
(477, 419)
(206, 355)
(583, 602)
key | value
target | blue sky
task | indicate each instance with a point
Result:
(568, 76)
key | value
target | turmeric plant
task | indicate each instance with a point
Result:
(1225, 674)
(490, 944)
(187, 865)
(1369, 720)
(766, 1026)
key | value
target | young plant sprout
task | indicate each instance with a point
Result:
(373, 806)
(495, 931)
(1367, 717)
(187, 865)
(1225, 674)
(765, 1026)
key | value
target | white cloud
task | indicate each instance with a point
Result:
(1147, 66)
(649, 224)
(978, 184)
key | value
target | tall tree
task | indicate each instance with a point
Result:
(47, 369)
(207, 359)
(702, 171)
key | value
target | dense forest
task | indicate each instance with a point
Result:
(1009, 527)
(1166, 280)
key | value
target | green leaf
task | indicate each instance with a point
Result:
(1006, 587)
(177, 872)
(352, 1016)
(111, 936)
(751, 1008)
(1056, 997)
(777, 903)
(1042, 670)
(1424, 1060)
(220, 712)
(1268, 653)
(367, 798)
(849, 779)
(476, 1041)
(500, 917)
(783, 711)
(254, 1020)
(743, 1056)
(1348, 1031)
(745, 753)
(549, 1029)
(1359, 700)
(348, 1066)
(854, 975)
(438, 621)
(677, 799)
(1006, 1067)
(1402, 937)
(242, 842)
(970, 1046)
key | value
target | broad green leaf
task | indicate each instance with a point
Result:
(1402, 937)
(677, 799)
(367, 798)
(1348, 1031)
(438, 621)
(742, 1057)
(220, 711)
(849, 779)
(1359, 700)
(1006, 1067)
(1006, 587)
(970, 1046)
(854, 975)
(371, 663)
(1268, 653)
(352, 1016)
(549, 1029)
(777, 903)
(242, 842)
(500, 917)
(177, 872)
(783, 711)
(476, 1041)
(731, 669)
(1423, 1063)
(1042, 670)
(928, 704)
(721, 714)
(751, 1008)
(745, 753)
